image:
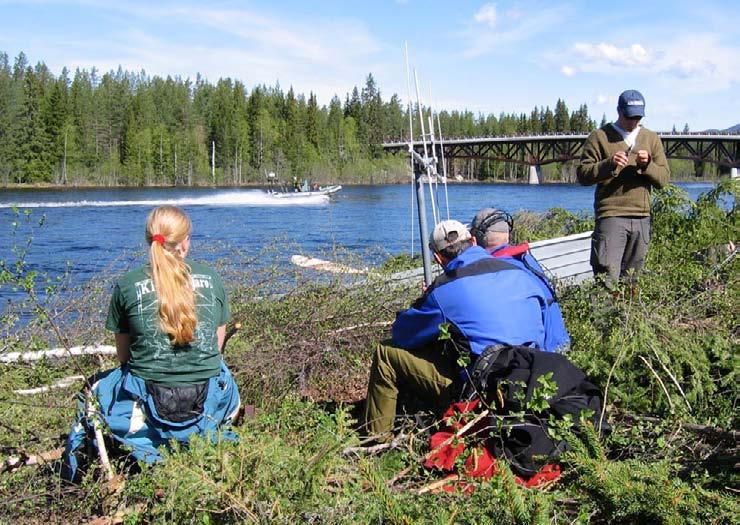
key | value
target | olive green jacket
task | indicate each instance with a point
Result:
(622, 192)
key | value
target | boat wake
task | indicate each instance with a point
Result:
(229, 198)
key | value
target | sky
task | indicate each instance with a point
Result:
(487, 57)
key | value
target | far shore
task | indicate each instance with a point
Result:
(261, 185)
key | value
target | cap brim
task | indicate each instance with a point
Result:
(634, 111)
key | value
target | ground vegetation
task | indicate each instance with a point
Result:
(664, 356)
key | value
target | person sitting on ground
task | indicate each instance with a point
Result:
(479, 301)
(169, 318)
(492, 230)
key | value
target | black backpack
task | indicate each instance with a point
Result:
(506, 378)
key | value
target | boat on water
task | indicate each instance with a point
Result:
(299, 190)
(321, 191)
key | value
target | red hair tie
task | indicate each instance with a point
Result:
(158, 238)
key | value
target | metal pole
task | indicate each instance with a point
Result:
(426, 254)
(411, 142)
(431, 169)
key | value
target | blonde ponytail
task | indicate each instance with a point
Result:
(166, 228)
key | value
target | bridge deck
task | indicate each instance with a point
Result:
(718, 148)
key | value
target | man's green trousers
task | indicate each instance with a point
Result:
(427, 375)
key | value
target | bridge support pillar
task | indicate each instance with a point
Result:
(698, 168)
(535, 174)
(733, 173)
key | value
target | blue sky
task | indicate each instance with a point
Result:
(484, 56)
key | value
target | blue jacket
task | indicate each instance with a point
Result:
(488, 301)
(557, 338)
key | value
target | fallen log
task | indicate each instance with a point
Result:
(325, 266)
(65, 382)
(57, 353)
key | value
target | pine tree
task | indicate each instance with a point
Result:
(32, 142)
(371, 123)
(535, 122)
(54, 117)
(548, 121)
(561, 117)
(8, 111)
(335, 135)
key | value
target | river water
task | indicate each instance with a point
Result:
(85, 231)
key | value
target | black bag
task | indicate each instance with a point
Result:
(506, 377)
(178, 403)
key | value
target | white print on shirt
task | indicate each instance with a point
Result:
(146, 301)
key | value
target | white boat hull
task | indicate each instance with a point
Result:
(328, 190)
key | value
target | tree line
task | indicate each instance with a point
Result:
(128, 128)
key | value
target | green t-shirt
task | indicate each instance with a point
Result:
(134, 310)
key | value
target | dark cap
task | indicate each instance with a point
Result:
(631, 103)
(491, 220)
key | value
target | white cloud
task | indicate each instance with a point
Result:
(702, 62)
(568, 71)
(321, 41)
(326, 55)
(512, 27)
(610, 100)
(487, 15)
(609, 54)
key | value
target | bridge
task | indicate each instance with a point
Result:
(722, 149)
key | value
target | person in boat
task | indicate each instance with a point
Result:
(169, 319)
(625, 161)
(478, 300)
(296, 184)
(492, 230)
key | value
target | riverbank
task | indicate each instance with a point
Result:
(663, 358)
(264, 185)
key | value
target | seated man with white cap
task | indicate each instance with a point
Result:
(492, 230)
(479, 301)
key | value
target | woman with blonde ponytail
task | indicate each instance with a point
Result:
(169, 318)
(168, 235)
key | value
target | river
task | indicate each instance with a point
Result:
(85, 231)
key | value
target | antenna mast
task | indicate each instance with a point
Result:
(419, 165)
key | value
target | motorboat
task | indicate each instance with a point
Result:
(321, 191)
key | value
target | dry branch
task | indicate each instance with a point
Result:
(457, 434)
(362, 325)
(438, 484)
(102, 451)
(660, 381)
(24, 460)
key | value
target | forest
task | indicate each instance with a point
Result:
(132, 129)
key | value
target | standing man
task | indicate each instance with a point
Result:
(625, 161)
(478, 301)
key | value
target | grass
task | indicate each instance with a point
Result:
(666, 355)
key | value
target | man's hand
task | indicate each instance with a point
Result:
(643, 159)
(620, 159)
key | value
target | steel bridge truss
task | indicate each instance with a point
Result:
(537, 150)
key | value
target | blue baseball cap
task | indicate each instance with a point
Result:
(631, 103)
